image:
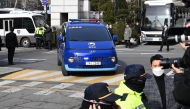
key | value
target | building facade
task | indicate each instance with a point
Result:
(63, 10)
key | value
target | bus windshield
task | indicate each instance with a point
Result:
(155, 17)
(89, 33)
(38, 20)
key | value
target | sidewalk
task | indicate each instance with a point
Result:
(7, 70)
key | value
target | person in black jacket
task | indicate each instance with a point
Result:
(138, 30)
(11, 43)
(182, 80)
(164, 37)
(48, 33)
(110, 29)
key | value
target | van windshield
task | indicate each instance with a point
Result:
(88, 33)
(39, 20)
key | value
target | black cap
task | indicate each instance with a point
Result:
(100, 91)
(136, 70)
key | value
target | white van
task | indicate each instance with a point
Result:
(24, 23)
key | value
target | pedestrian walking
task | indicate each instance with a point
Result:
(127, 36)
(11, 43)
(138, 30)
(110, 29)
(39, 32)
(48, 34)
(164, 37)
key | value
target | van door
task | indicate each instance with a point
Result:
(7, 24)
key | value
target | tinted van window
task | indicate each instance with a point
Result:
(88, 33)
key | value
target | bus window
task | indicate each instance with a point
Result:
(28, 24)
(17, 23)
(10, 23)
(6, 26)
(39, 20)
(1, 23)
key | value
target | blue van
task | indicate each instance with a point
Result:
(86, 46)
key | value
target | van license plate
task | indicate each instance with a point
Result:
(155, 39)
(93, 63)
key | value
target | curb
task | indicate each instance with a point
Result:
(12, 70)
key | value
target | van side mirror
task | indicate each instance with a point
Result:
(114, 38)
(60, 38)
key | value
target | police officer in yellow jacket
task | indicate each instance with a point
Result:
(131, 88)
(39, 32)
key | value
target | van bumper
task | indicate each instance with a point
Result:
(90, 69)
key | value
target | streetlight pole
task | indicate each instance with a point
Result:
(46, 13)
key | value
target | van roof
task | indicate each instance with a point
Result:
(85, 24)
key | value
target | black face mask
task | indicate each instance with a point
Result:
(86, 105)
(136, 83)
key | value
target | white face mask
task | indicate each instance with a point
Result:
(157, 71)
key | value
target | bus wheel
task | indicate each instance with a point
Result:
(25, 42)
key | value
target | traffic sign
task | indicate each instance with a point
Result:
(44, 2)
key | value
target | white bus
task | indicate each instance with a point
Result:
(24, 23)
(157, 13)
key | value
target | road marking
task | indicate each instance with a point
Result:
(29, 74)
(6, 82)
(31, 84)
(60, 86)
(24, 60)
(35, 88)
(124, 49)
(51, 52)
(86, 79)
(56, 76)
(119, 51)
(77, 95)
(144, 53)
(61, 78)
(37, 76)
(46, 75)
(44, 92)
(156, 53)
(13, 90)
(119, 78)
(103, 79)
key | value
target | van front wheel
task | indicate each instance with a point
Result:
(25, 42)
(64, 72)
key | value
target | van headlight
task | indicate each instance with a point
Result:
(113, 59)
(71, 59)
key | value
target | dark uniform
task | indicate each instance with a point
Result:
(164, 39)
(48, 33)
(11, 43)
(182, 83)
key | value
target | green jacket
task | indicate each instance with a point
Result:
(131, 101)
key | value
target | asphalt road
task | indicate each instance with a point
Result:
(41, 85)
